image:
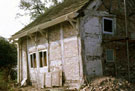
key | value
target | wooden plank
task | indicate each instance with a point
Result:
(48, 81)
(56, 78)
(18, 63)
(62, 46)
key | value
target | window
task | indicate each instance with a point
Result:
(33, 60)
(108, 27)
(43, 58)
(110, 55)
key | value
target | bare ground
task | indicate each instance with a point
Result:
(96, 84)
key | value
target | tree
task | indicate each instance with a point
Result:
(8, 55)
(34, 8)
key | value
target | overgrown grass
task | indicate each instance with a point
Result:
(3, 82)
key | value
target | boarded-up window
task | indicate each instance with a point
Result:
(110, 55)
(33, 60)
(43, 58)
(108, 27)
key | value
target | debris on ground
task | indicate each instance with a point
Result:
(96, 84)
(33, 88)
(109, 84)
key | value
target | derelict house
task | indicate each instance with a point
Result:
(75, 41)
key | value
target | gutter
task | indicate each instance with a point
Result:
(46, 25)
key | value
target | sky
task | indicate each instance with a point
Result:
(9, 24)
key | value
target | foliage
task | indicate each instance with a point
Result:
(8, 60)
(35, 8)
(8, 54)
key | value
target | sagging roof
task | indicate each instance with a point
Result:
(56, 13)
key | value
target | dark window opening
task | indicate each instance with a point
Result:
(35, 63)
(33, 60)
(108, 25)
(43, 58)
(40, 59)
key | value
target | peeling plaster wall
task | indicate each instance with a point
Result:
(95, 43)
(63, 54)
(71, 60)
(24, 60)
(91, 39)
(92, 50)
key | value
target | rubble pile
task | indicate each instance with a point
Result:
(109, 84)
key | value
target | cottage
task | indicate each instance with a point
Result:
(75, 41)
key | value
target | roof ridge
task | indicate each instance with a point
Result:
(55, 12)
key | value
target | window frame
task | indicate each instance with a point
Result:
(42, 55)
(32, 60)
(113, 55)
(105, 32)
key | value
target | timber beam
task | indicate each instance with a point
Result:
(72, 22)
(30, 35)
(44, 35)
